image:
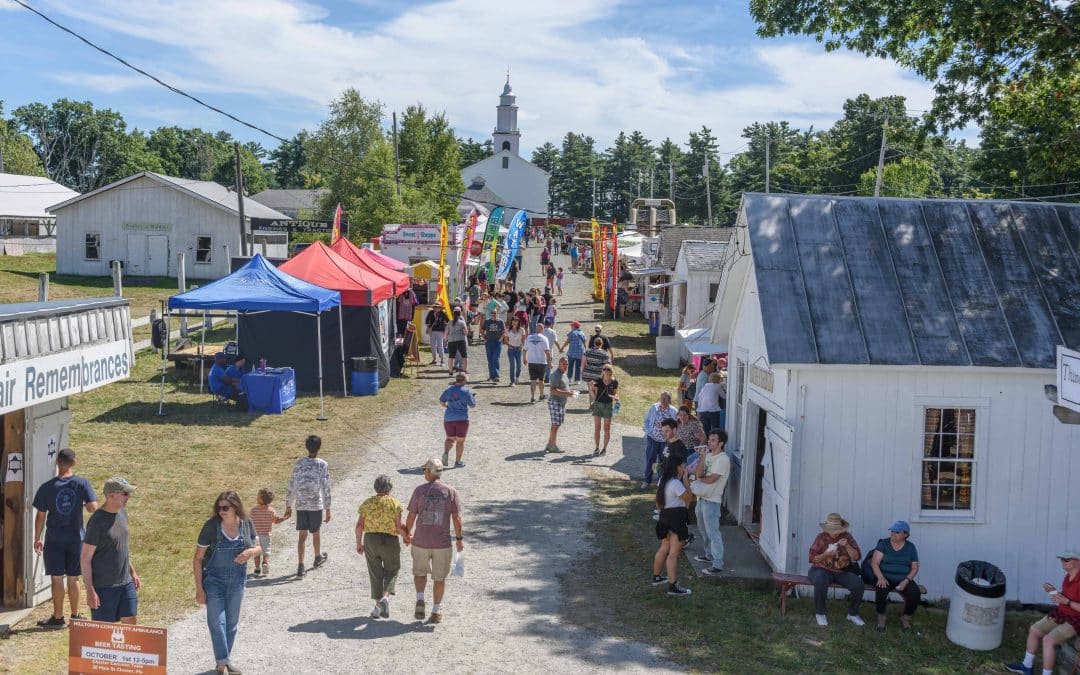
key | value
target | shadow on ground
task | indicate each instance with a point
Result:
(361, 628)
(203, 413)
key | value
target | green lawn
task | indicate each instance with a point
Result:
(640, 380)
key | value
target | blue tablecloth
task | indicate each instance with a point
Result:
(271, 391)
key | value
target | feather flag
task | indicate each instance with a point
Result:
(614, 264)
(336, 234)
(513, 240)
(444, 241)
(491, 240)
(470, 231)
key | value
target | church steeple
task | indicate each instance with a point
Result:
(506, 136)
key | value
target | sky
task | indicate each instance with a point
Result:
(590, 66)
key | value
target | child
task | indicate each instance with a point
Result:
(551, 312)
(264, 517)
(558, 280)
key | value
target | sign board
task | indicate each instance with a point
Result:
(421, 234)
(31, 381)
(1068, 378)
(762, 378)
(97, 647)
(321, 226)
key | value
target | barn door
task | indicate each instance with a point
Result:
(775, 491)
(157, 260)
(136, 254)
(45, 437)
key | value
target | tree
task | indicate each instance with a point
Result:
(786, 148)
(546, 157)
(190, 153)
(974, 50)
(668, 156)
(572, 182)
(289, 162)
(17, 150)
(428, 152)
(625, 168)
(906, 178)
(470, 152)
(255, 176)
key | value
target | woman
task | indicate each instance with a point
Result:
(436, 323)
(457, 344)
(834, 556)
(672, 498)
(377, 530)
(686, 381)
(895, 563)
(690, 431)
(595, 359)
(227, 541)
(575, 350)
(605, 395)
(514, 339)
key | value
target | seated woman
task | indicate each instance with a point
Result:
(895, 563)
(831, 562)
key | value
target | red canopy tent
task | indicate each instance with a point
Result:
(320, 265)
(372, 262)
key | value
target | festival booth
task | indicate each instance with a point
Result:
(258, 289)
(367, 316)
(376, 263)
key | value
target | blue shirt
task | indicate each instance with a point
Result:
(62, 499)
(458, 400)
(575, 341)
(217, 385)
(234, 371)
(896, 565)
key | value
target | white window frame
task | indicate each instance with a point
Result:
(95, 234)
(979, 468)
(209, 250)
(737, 403)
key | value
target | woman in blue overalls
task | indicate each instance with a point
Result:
(227, 541)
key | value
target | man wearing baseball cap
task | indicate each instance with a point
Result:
(598, 332)
(110, 578)
(575, 350)
(432, 507)
(224, 385)
(1061, 624)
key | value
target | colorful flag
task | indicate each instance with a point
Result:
(336, 234)
(513, 240)
(597, 262)
(470, 230)
(614, 264)
(444, 241)
(491, 239)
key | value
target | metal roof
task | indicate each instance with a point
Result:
(703, 256)
(29, 196)
(671, 239)
(855, 280)
(280, 200)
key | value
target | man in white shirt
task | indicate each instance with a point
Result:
(538, 357)
(712, 473)
(707, 402)
(553, 341)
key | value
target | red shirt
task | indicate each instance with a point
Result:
(1063, 613)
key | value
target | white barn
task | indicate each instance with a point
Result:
(26, 226)
(146, 219)
(887, 360)
(698, 268)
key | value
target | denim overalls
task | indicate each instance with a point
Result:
(223, 583)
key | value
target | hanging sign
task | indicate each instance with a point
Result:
(31, 381)
(99, 647)
(319, 226)
(1068, 378)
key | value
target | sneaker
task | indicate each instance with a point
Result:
(232, 670)
(856, 619)
(376, 611)
(543, 397)
(419, 613)
(445, 459)
(459, 465)
(1018, 668)
(266, 569)
(644, 485)
(300, 571)
(658, 579)
(320, 560)
(257, 572)
(603, 451)
(555, 450)
(436, 617)
(676, 589)
(80, 617)
(384, 608)
(532, 400)
(822, 620)
(705, 558)
(712, 571)
(52, 622)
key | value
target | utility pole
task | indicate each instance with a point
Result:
(881, 158)
(768, 158)
(708, 192)
(397, 159)
(240, 198)
(652, 170)
(671, 181)
(1, 158)
(594, 197)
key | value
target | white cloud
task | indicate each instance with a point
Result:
(568, 73)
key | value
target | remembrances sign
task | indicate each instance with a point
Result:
(96, 647)
(44, 378)
(271, 225)
(1068, 378)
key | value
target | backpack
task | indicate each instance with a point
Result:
(867, 568)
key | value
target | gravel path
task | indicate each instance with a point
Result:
(525, 516)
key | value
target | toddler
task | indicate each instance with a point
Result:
(558, 280)
(264, 517)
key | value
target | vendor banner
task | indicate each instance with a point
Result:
(491, 238)
(614, 265)
(444, 242)
(28, 382)
(470, 231)
(513, 241)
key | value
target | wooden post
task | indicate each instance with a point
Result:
(117, 279)
(14, 431)
(43, 286)
(240, 199)
(181, 282)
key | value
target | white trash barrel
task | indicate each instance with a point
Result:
(977, 610)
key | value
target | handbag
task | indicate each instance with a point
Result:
(868, 569)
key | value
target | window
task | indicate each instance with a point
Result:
(948, 459)
(713, 290)
(506, 162)
(506, 146)
(740, 389)
(93, 246)
(203, 245)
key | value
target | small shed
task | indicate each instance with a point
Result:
(147, 219)
(698, 270)
(888, 359)
(26, 225)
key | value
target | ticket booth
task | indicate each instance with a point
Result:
(49, 351)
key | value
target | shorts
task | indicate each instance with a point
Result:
(537, 371)
(433, 561)
(308, 521)
(458, 347)
(116, 602)
(61, 558)
(557, 409)
(673, 521)
(456, 429)
(264, 542)
(1059, 633)
(601, 410)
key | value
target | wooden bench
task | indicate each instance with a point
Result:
(787, 582)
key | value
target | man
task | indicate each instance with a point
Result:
(494, 328)
(575, 350)
(1059, 626)
(432, 507)
(494, 304)
(436, 325)
(456, 401)
(573, 258)
(708, 367)
(712, 473)
(553, 340)
(60, 502)
(673, 445)
(654, 434)
(598, 332)
(707, 402)
(111, 582)
(560, 394)
(225, 386)
(309, 489)
(538, 358)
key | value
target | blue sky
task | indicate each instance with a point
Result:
(590, 66)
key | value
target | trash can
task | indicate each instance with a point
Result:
(977, 610)
(654, 323)
(365, 376)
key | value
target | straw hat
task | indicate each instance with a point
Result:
(834, 524)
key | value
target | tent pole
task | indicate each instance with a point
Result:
(341, 337)
(202, 346)
(318, 346)
(164, 363)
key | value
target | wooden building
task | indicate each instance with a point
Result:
(146, 219)
(887, 360)
(26, 225)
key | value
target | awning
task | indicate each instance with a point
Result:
(705, 347)
(677, 282)
(649, 271)
(691, 334)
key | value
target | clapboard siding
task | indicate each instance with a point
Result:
(23, 337)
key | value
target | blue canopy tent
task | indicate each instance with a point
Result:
(258, 286)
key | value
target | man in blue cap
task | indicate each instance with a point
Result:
(224, 385)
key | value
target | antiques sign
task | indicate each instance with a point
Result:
(319, 226)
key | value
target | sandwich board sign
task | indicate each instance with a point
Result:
(98, 647)
(1068, 378)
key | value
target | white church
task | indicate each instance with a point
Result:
(505, 178)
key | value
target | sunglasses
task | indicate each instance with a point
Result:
(224, 507)
(1066, 559)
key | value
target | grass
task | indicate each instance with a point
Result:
(180, 463)
(731, 627)
(640, 380)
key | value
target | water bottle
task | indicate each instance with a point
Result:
(615, 408)
(262, 365)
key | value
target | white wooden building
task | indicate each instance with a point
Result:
(697, 270)
(887, 360)
(146, 219)
(26, 226)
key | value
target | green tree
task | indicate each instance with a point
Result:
(256, 178)
(288, 162)
(428, 153)
(974, 50)
(786, 150)
(470, 152)
(572, 182)
(546, 157)
(692, 199)
(906, 178)
(625, 172)
(190, 153)
(17, 150)
(669, 156)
